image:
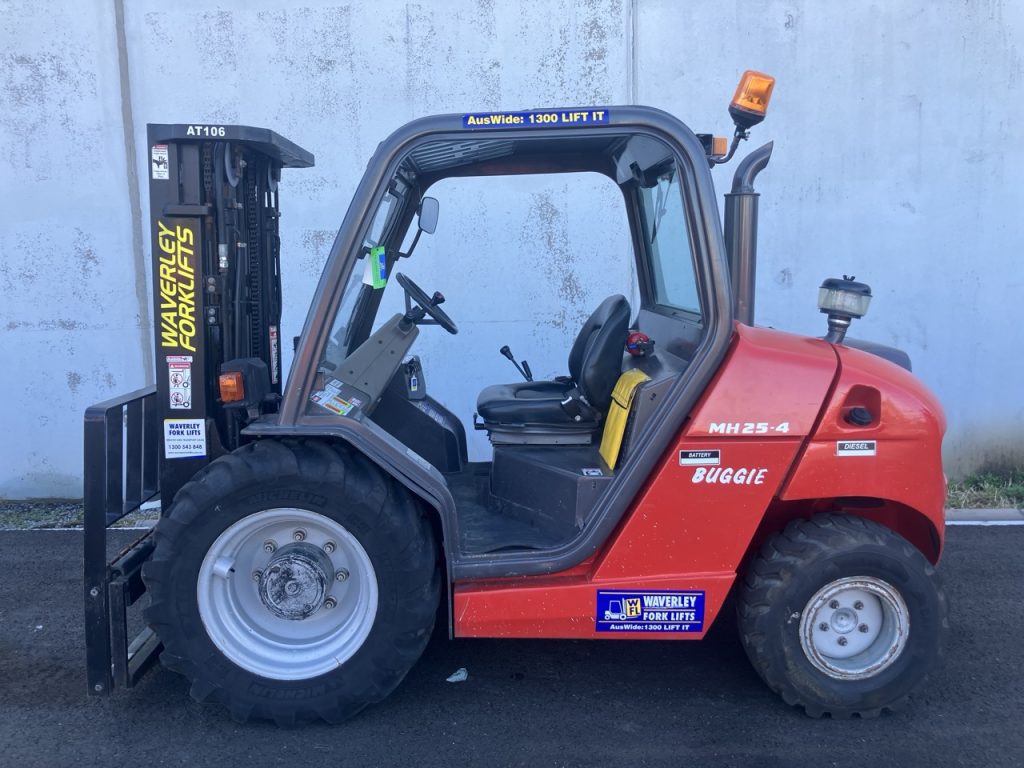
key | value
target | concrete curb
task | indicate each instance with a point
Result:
(984, 517)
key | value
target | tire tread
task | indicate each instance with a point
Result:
(285, 461)
(766, 585)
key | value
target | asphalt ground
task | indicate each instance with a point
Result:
(529, 703)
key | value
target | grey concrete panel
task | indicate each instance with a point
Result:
(69, 313)
(897, 159)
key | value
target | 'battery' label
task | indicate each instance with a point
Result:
(700, 458)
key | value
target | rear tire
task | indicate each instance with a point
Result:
(841, 616)
(293, 581)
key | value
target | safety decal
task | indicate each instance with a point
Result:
(658, 611)
(184, 438)
(158, 161)
(275, 355)
(729, 475)
(700, 458)
(537, 118)
(179, 377)
(330, 398)
(855, 448)
(338, 405)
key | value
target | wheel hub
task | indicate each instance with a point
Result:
(305, 607)
(295, 582)
(844, 620)
(854, 627)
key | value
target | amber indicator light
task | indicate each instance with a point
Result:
(231, 387)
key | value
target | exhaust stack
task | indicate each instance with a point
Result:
(741, 231)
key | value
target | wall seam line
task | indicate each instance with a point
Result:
(633, 84)
(134, 195)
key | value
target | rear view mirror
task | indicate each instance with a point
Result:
(429, 208)
(426, 221)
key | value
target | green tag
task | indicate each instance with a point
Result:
(378, 267)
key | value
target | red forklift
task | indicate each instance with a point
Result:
(313, 530)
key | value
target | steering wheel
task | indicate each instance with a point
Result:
(429, 305)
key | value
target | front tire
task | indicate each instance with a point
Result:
(841, 616)
(293, 581)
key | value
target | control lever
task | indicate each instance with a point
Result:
(524, 369)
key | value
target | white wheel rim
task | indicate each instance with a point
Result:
(249, 627)
(854, 628)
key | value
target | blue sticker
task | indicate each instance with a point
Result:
(537, 118)
(659, 611)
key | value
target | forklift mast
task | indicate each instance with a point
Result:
(214, 211)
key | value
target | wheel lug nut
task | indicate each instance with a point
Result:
(823, 627)
(841, 641)
(299, 535)
(257, 575)
(269, 546)
(329, 547)
(858, 605)
(330, 602)
(863, 627)
(833, 604)
(341, 575)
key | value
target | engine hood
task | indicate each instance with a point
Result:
(893, 355)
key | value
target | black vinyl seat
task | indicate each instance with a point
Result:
(573, 404)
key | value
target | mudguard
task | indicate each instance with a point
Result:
(394, 458)
(888, 468)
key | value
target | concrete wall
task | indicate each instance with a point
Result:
(896, 160)
(70, 312)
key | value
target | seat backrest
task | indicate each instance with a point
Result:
(595, 360)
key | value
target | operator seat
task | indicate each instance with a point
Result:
(569, 409)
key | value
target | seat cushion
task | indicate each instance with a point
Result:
(526, 402)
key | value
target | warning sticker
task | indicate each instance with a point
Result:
(275, 356)
(184, 438)
(659, 611)
(179, 376)
(338, 405)
(330, 398)
(158, 161)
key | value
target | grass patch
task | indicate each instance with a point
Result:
(33, 515)
(1003, 489)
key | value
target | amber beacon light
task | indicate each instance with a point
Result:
(749, 105)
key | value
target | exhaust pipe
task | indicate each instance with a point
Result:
(741, 231)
